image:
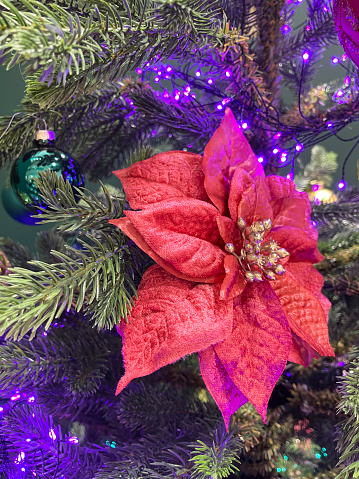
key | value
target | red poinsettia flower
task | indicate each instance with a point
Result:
(220, 233)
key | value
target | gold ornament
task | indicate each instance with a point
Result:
(319, 194)
(258, 254)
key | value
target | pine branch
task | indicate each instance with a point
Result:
(347, 434)
(321, 167)
(31, 299)
(89, 213)
(73, 54)
(79, 361)
(218, 459)
(48, 455)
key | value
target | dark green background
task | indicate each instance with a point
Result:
(12, 90)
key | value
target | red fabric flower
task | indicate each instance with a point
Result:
(197, 299)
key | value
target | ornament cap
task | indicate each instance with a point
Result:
(44, 135)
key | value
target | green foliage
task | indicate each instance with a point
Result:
(31, 299)
(321, 167)
(88, 213)
(218, 459)
(348, 435)
(80, 361)
(74, 53)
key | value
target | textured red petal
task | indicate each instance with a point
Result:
(290, 207)
(254, 205)
(171, 318)
(225, 393)
(299, 245)
(240, 185)
(234, 282)
(301, 352)
(227, 150)
(256, 352)
(166, 176)
(305, 314)
(308, 277)
(180, 235)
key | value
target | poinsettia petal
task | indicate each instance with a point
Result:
(234, 282)
(301, 352)
(227, 150)
(171, 318)
(240, 185)
(299, 245)
(304, 312)
(166, 176)
(223, 390)
(308, 277)
(180, 235)
(290, 207)
(254, 205)
(256, 352)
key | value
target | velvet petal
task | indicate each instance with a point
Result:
(223, 390)
(308, 277)
(227, 150)
(181, 235)
(301, 352)
(171, 318)
(290, 207)
(299, 245)
(166, 176)
(254, 205)
(304, 312)
(256, 352)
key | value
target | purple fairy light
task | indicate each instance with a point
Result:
(138, 71)
(335, 60)
(31, 399)
(228, 73)
(244, 125)
(344, 57)
(73, 440)
(277, 135)
(52, 434)
(285, 29)
(157, 79)
(299, 147)
(198, 73)
(210, 81)
(219, 107)
(341, 184)
(305, 56)
(168, 69)
(275, 151)
(260, 159)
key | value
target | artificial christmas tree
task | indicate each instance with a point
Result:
(191, 255)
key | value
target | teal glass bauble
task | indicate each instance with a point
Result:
(28, 167)
(23, 198)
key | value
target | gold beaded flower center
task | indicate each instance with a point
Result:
(257, 257)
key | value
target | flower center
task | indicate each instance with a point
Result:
(258, 257)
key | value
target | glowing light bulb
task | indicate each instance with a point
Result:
(31, 399)
(244, 125)
(344, 57)
(260, 159)
(52, 434)
(285, 29)
(341, 184)
(275, 151)
(168, 69)
(198, 73)
(277, 135)
(138, 71)
(299, 147)
(305, 56)
(228, 73)
(73, 440)
(219, 107)
(210, 81)
(335, 60)
(157, 79)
